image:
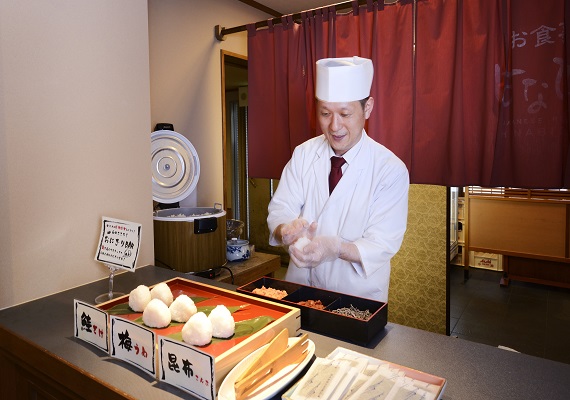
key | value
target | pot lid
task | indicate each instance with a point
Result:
(175, 166)
(237, 242)
(189, 213)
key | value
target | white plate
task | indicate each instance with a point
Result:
(273, 384)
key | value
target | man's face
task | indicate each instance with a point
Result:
(342, 123)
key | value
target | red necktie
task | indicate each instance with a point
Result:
(336, 172)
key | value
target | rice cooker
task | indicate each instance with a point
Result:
(186, 239)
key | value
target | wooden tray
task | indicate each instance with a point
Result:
(227, 353)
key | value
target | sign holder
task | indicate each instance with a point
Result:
(111, 294)
(118, 249)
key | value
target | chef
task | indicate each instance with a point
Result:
(342, 202)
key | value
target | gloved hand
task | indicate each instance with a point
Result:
(320, 250)
(295, 229)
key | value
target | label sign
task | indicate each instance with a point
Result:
(91, 325)
(133, 343)
(119, 243)
(187, 368)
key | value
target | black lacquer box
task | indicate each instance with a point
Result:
(327, 322)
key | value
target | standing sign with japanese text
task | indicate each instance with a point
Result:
(91, 325)
(134, 344)
(187, 368)
(119, 243)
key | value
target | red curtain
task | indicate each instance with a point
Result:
(455, 107)
(532, 146)
(281, 71)
(459, 43)
(278, 119)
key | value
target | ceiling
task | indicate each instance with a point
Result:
(236, 75)
(294, 6)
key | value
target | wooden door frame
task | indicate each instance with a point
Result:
(224, 55)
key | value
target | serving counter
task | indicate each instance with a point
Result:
(40, 357)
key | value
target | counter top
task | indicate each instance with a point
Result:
(44, 328)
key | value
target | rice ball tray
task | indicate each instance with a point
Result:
(263, 318)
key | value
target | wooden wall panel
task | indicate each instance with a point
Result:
(515, 227)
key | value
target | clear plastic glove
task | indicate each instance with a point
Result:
(296, 229)
(320, 250)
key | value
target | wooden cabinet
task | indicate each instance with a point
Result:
(461, 232)
(532, 234)
(462, 256)
(30, 372)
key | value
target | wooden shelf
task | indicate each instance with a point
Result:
(260, 264)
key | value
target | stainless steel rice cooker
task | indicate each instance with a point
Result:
(186, 239)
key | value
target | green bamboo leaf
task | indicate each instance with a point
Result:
(199, 299)
(251, 326)
(123, 308)
(120, 309)
(243, 328)
(207, 309)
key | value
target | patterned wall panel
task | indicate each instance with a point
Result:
(417, 295)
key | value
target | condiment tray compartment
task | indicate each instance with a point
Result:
(277, 284)
(304, 293)
(326, 321)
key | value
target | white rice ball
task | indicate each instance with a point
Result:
(156, 314)
(223, 324)
(198, 330)
(302, 242)
(139, 298)
(182, 308)
(162, 291)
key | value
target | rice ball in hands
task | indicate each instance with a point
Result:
(162, 291)
(302, 242)
(182, 308)
(156, 314)
(139, 298)
(223, 324)
(198, 330)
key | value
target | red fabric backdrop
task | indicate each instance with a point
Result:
(458, 45)
(532, 136)
(455, 107)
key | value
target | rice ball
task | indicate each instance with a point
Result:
(156, 314)
(198, 330)
(182, 308)
(301, 242)
(162, 291)
(139, 298)
(223, 324)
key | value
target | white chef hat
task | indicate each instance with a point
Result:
(344, 79)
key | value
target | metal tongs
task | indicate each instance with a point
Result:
(251, 379)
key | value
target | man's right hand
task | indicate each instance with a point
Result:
(288, 234)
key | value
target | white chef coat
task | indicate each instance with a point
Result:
(368, 207)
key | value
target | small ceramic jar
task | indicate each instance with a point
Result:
(237, 250)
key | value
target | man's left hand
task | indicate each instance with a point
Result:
(318, 251)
